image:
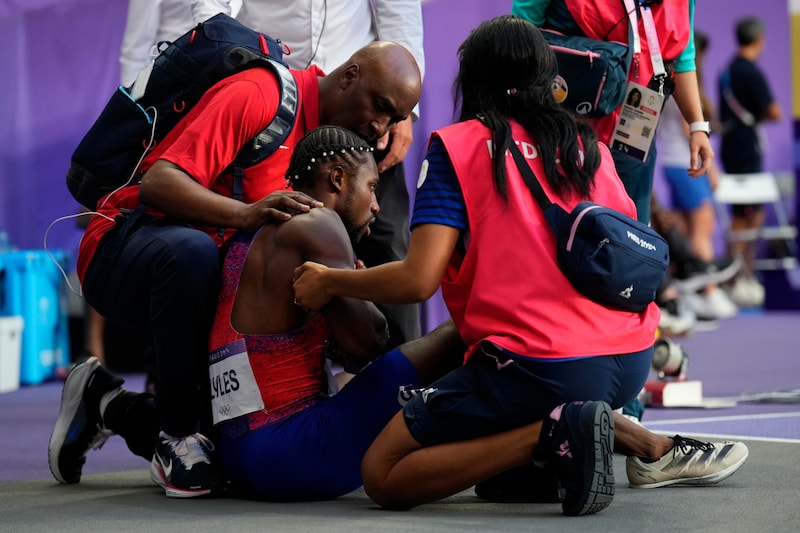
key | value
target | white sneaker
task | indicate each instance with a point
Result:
(719, 303)
(757, 291)
(711, 306)
(747, 292)
(675, 325)
(690, 462)
(183, 467)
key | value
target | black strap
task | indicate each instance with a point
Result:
(238, 180)
(268, 141)
(530, 179)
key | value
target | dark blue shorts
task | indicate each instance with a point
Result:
(316, 454)
(484, 397)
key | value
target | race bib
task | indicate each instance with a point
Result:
(234, 391)
(637, 121)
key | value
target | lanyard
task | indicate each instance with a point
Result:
(652, 41)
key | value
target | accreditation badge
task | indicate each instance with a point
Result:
(234, 391)
(637, 122)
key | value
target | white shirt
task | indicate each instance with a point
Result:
(328, 32)
(150, 22)
(672, 137)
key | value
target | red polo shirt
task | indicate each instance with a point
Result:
(207, 139)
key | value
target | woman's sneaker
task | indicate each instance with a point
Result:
(79, 425)
(690, 462)
(577, 442)
(183, 467)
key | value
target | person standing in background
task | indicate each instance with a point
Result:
(150, 22)
(326, 33)
(607, 20)
(692, 198)
(745, 102)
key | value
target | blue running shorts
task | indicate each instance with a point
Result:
(316, 454)
(687, 193)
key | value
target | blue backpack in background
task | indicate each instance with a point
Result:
(592, 75)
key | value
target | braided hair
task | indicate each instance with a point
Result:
(506, 71)
(324, 144)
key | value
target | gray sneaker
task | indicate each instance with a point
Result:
(690, 462)
(79, 425)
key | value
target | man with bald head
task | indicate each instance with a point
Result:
(381, 78)
(326, 33)
(151, 258)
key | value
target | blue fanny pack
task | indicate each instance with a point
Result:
(609, 257)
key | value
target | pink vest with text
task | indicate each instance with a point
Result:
(508, 288)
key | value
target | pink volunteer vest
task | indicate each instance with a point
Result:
(507, 288)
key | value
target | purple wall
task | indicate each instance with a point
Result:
(59, 66)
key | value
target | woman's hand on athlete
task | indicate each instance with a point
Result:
(310, 291)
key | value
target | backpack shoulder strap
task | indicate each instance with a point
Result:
(276, 131)
(738, 109)
(271, 137)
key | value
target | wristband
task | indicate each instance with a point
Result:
(705, 127)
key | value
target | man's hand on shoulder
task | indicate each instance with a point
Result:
(277, 206)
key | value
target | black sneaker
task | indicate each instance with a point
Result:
(526, 484)
(579, 447)
(79, 426)
(183, 467)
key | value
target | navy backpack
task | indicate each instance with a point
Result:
(109, 155)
